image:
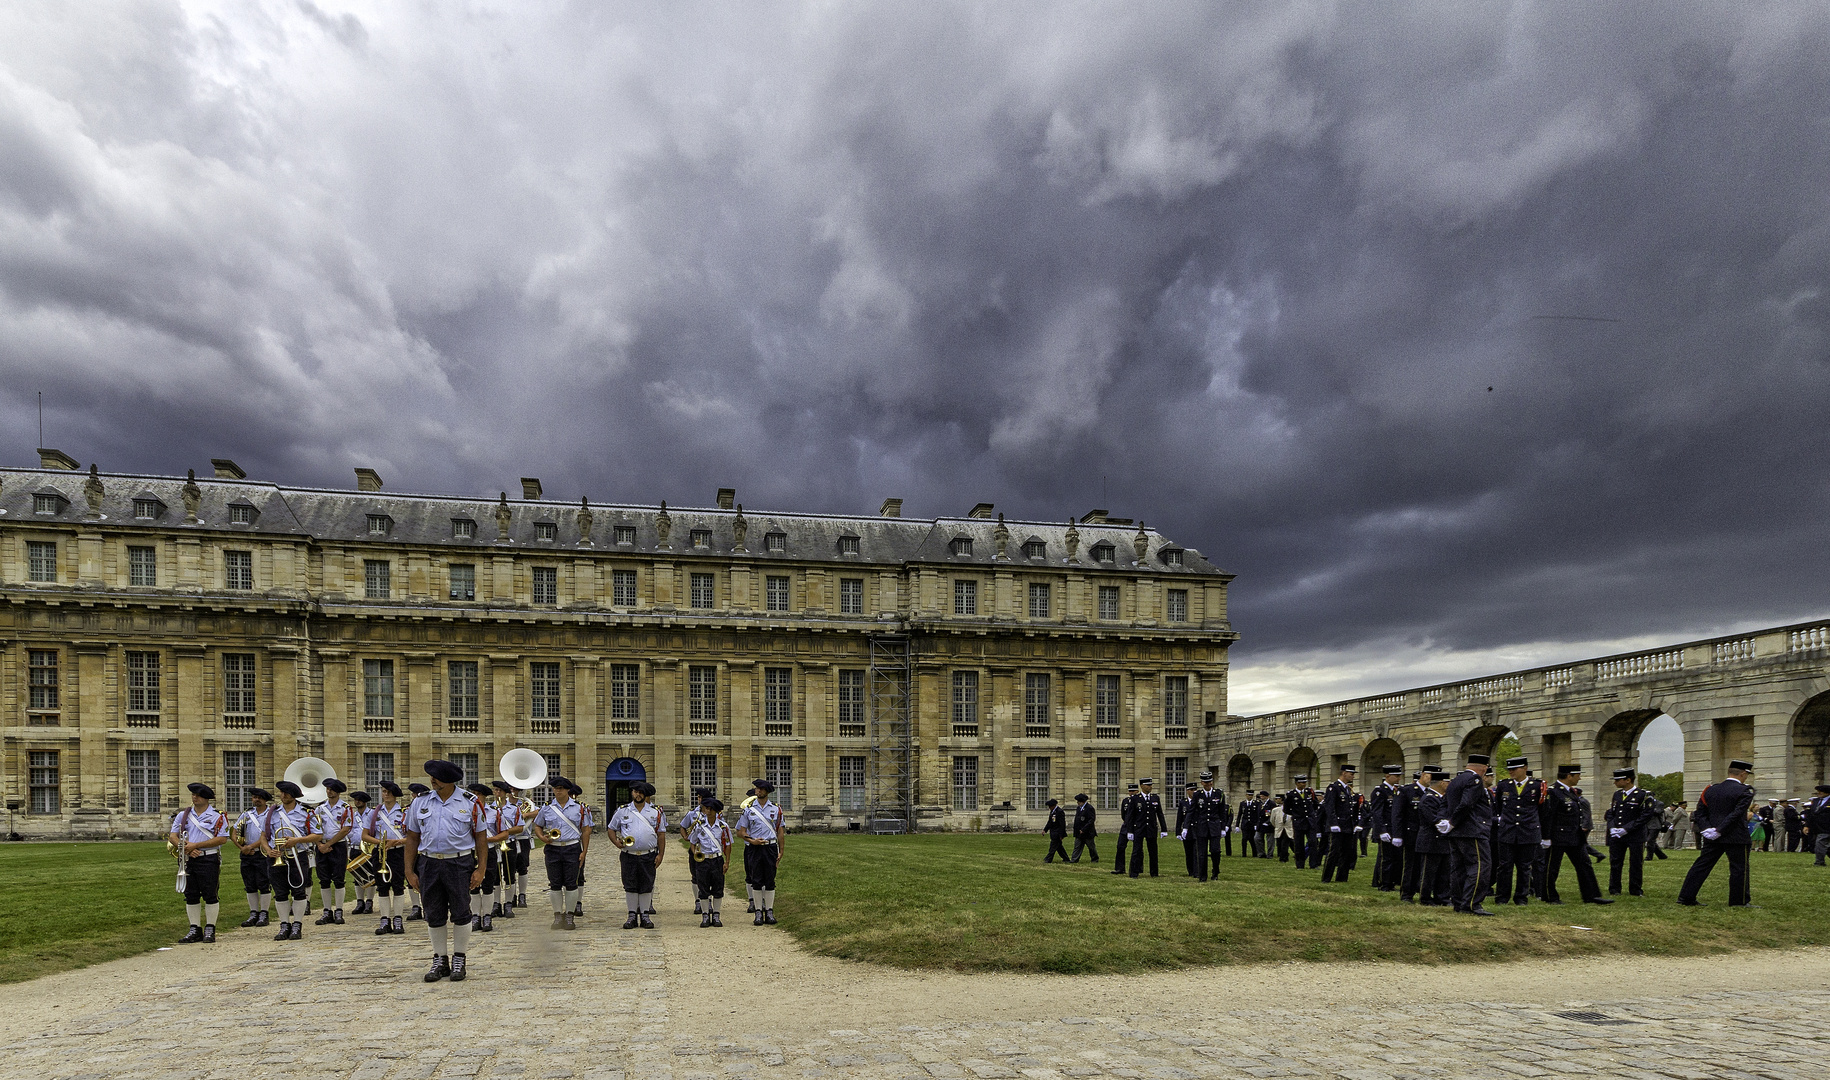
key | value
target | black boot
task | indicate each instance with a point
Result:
(264, 917)
(489, 924)
(193, 937)
(329, 918)
(705, 920)
(253, 919)
(298, 931)
(285, 933)
(209, 934)
(769, 916)
(415, 915)
(716, 921)
(386, 927)
(440, 969)
(758, 921)
(399, 928)
(458, 964)
(647, 923)
(508, 910)
(337, 916)
(631, 921)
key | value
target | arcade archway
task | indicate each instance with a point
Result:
(1238, 775)
(1811, 747)
(1301, 762)
(1378, 754)
(1617, 743)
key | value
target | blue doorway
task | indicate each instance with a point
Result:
(618, 776)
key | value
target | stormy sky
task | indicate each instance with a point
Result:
(1468, 335)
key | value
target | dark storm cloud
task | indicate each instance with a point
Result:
(1250, 270)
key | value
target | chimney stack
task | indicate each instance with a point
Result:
(228, 470)
(727, 498)
(367, 479)
(530, 488)
(982, 510)
(1093, 517)
(890, 508)
(55, 459)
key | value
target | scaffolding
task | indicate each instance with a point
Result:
(892, 734)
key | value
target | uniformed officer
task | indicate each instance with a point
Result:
(1299, 806)
(1245, 823)
(1433, 851)
(639, 831)
(288, 835)
(1183, 807)
(1470, 831)
(336, 820)
(1405, 823)
(1817, 824)
(1124, 831)
(199, 833)
(708, 840)
(760, 825)
(1721, 819)
(1517, 800)
(1561, 826)
(1627, 818)
(482, 915)
(1209, 819)
(254, 880)
(1146, 826)
(1341, 817)
(1086, 821)
(1057, 831)
(1388, 865)
(561, 826)
(387, 826)
(414, 791)
(447, 849)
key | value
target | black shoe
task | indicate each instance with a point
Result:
(440, 969)
(1692, 903)
(415, 915)
(508, 911)
(578, 910)
(1408, 899)
(716, 921)
(751, 908)
(253, 919)
(1478, 910)
(329, 918)
(337, 917)
(285, 933)
(193, 937)
(264, 916)
(1599, 900)
(1521, 902)
(705, 920)
(632, 921)
(696, 908)
(209, 934)
(769, 917)
(1559, 903)
(1636, 893)
(398, 928)
(647, 923)
(488, 926)
(458, 964)
(386, 927)
(758, 921)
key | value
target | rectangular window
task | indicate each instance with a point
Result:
(848, 545)
(775, 543)
(1036, 706)
(778, 701)
(461, 688)
(469, 763)
(1178, 605)
(702, 771)
(702, 588)
(238, 569)
(238, 690)
(1105, 782)
(380, 525)
(41, 675)
(463, 529)
(1105, 707)
(851, 596)
(1038, 600)
(237, 778)
(965, 598)
(46, 794)
(546, 585)
(966, 783)
(624, 534)
(851, 784)
(777, 598)
(778, 769)
(47, 504)
(378, 688)
(375, 769)
(851, 704)
(625, 699)
(1036, 782)
(544, 793)
(142, 567)
(1108, 603)
(377, 579)
(1175, 707)
(966, 704)
(1175, 774)
(546, 530)
(702, 538)
(463, 581)
(622, 588)
(143, 689)
(146, 509)
(241, 514)
(702, 701)
(543, 698)
(142, 781)
(41, 560)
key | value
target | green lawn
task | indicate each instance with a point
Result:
(71, 905)
(988, 903)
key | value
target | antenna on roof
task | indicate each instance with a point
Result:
(41, 418)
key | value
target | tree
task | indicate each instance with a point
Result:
(1668, 789)
(1508, 748)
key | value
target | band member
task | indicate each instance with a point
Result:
(387, 826)
(561, 826)
(414, 791)
(508, 821)
(254, 879)
(199, 834)
(701, 796)
(760, 825)
(359, 801)
(336, 820)
(639, 831)
(523, 846)
(749, 797)
(287, 836)
(482, 920)
(446, 850)
(709, 841)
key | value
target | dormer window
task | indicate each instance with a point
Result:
(380, 524)
(241, 513)
(463, 529)
(148, 509)
(848, 545)
(702, 538)
(546, 530)
(1171, 557)
(625, 534)
(775, 542)
(962, 545)
(1034, 549)
(1104, 553)
(48, 502)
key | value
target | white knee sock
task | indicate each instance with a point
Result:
(338, 894)
(569, 898)
(768, 899)
(252, 901)
(489, 901)
(634, 899)
(263, 901)
(559, 901)
(717, 904)
(441, 939)
(414, 893)
(647, 899)
(195, 913)
(210, 911)
(460, 938)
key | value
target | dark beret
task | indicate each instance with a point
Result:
(479, 789)
(557, 782)
(502, 785)
(1054, 802)
(715, 805)
(1081, 797)
(334, 784)
(359, 796)
(260, 793)
(418, 789)
(391, 788)
(204, 790)
(287, 787)
(764, 786)
(445, 772)
(575, 789)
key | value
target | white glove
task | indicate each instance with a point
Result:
(1544, 843)
(1398, 841)
(1359, 828)
(1334, 828)
(1443, 826)
(1711, 834)
(1183, 835)
(1617, 833)
(1385, 838)
(1162, 836)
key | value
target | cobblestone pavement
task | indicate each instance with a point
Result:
(679, 1003)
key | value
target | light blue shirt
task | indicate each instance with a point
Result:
(569, 821)
(760, 820)
(446, 826)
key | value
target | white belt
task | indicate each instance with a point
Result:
(453, 855)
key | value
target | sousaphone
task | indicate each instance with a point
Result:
(310, 773)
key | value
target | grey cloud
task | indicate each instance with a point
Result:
(1250, 269)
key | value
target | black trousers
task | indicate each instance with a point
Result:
(1390, 870)
(1248, 843)
(1631, 851)
(254, 877)
(1739, 893)
(1188, 854)
(1087, 843)
(291, 878)
(1318, 849)
(638, 871)
(1147, 837)
(1118, 859)
(1299, 845)
(1341, 856)
(1585, 871)
(492, 874)
(1207, 855)
(1512, 871)
(523, 848)
(759, 865)
(1470, 870)
(1433, 878)
(1361, 838)
(1265, 843)
(1054, 846)
(708, 877)
(1412, 874)
(396, 882)
(202, 877)
(562, 866)
(444, 889)
(332, 866)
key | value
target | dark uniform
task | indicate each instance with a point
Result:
(1341, 819)
(1124, 831)
(1208, 818)
(1433, 851)
(1817, 824)
(1245, 821)
(1470, 820)
(1517, 833)
(1057, 831)
(1145, 823)
(1388, 867)
(1085, 830)
(1722, 829)
(1628, 817)
(1267, 829)
(1189, 843)
(1405, 821)
(1299, 805)
(1561, 821)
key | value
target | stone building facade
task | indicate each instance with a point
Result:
(156, 630)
